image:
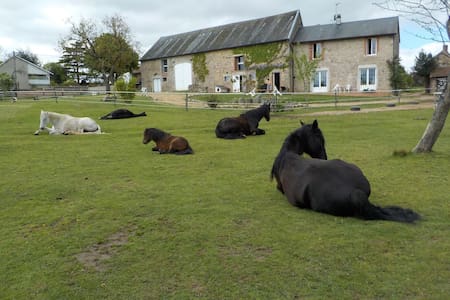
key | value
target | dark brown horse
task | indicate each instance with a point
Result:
(246, 124)
(333, 187)
(166, 143)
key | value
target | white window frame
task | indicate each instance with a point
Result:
(322, 85)
(371, 46)
(370, 80)
(317, 51)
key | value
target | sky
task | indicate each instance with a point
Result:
(37, 26)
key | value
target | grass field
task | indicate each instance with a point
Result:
(103, 217)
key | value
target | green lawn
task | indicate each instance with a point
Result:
(104, 217)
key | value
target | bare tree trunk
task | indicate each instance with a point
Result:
(437, 122)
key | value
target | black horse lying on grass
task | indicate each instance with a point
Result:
(122, 113)
(329, 186)
(246, 124)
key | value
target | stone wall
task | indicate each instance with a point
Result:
(221, 72)
(343, 58)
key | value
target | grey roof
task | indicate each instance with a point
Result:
(374, 27)
(27, 62)
(259, 31)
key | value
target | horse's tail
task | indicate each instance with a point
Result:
(368, 211)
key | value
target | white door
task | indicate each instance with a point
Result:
(183, 76)
(157, 85)
(236, 83)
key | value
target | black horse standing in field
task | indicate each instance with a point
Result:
(121, 113)
(246, 124)
(329, 186)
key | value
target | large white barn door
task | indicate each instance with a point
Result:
(183, 76)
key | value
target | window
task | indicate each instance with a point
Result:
(371, 46)
(164, 66)
(317, 51)
(368, 78)
(239, 63)
(320, 83)
(37, 77)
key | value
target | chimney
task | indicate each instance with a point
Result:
(337, 19)
(445, 48)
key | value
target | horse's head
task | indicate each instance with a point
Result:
(266, 109)
(307, 139)
(44, 120)
(313, 140)
(148, 135)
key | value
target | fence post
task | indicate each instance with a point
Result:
(186, 101)
(335, 98)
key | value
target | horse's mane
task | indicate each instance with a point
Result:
(56, 114)
(158, 134)
(292, 143)
(258, 112)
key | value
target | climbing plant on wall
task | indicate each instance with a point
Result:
(261, 58)
(199, 66)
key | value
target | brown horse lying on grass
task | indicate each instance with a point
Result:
(166, 143)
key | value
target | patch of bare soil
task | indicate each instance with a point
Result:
(421, 105)
(95, 255)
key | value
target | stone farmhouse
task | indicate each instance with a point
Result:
(25, 74)
(259, 55)
(438, 77)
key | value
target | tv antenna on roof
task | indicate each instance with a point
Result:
(337, 16)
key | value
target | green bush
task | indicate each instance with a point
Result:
(127, 90)
(6, 82)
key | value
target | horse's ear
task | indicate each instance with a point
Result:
(302, 123)
(315, 124)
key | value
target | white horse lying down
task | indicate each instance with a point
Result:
(66, 124)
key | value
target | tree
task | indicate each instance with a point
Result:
(398, 77)
(59, 73)
(305, 69)
(73, 59)
(109, 51)
(434, 17)
(111, 56)
(424, 65)
(6, 82)
(27, 55)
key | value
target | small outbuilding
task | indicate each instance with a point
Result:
(26, 75)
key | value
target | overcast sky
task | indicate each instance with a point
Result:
(37, 26)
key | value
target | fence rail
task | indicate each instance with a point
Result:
(285, 101)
